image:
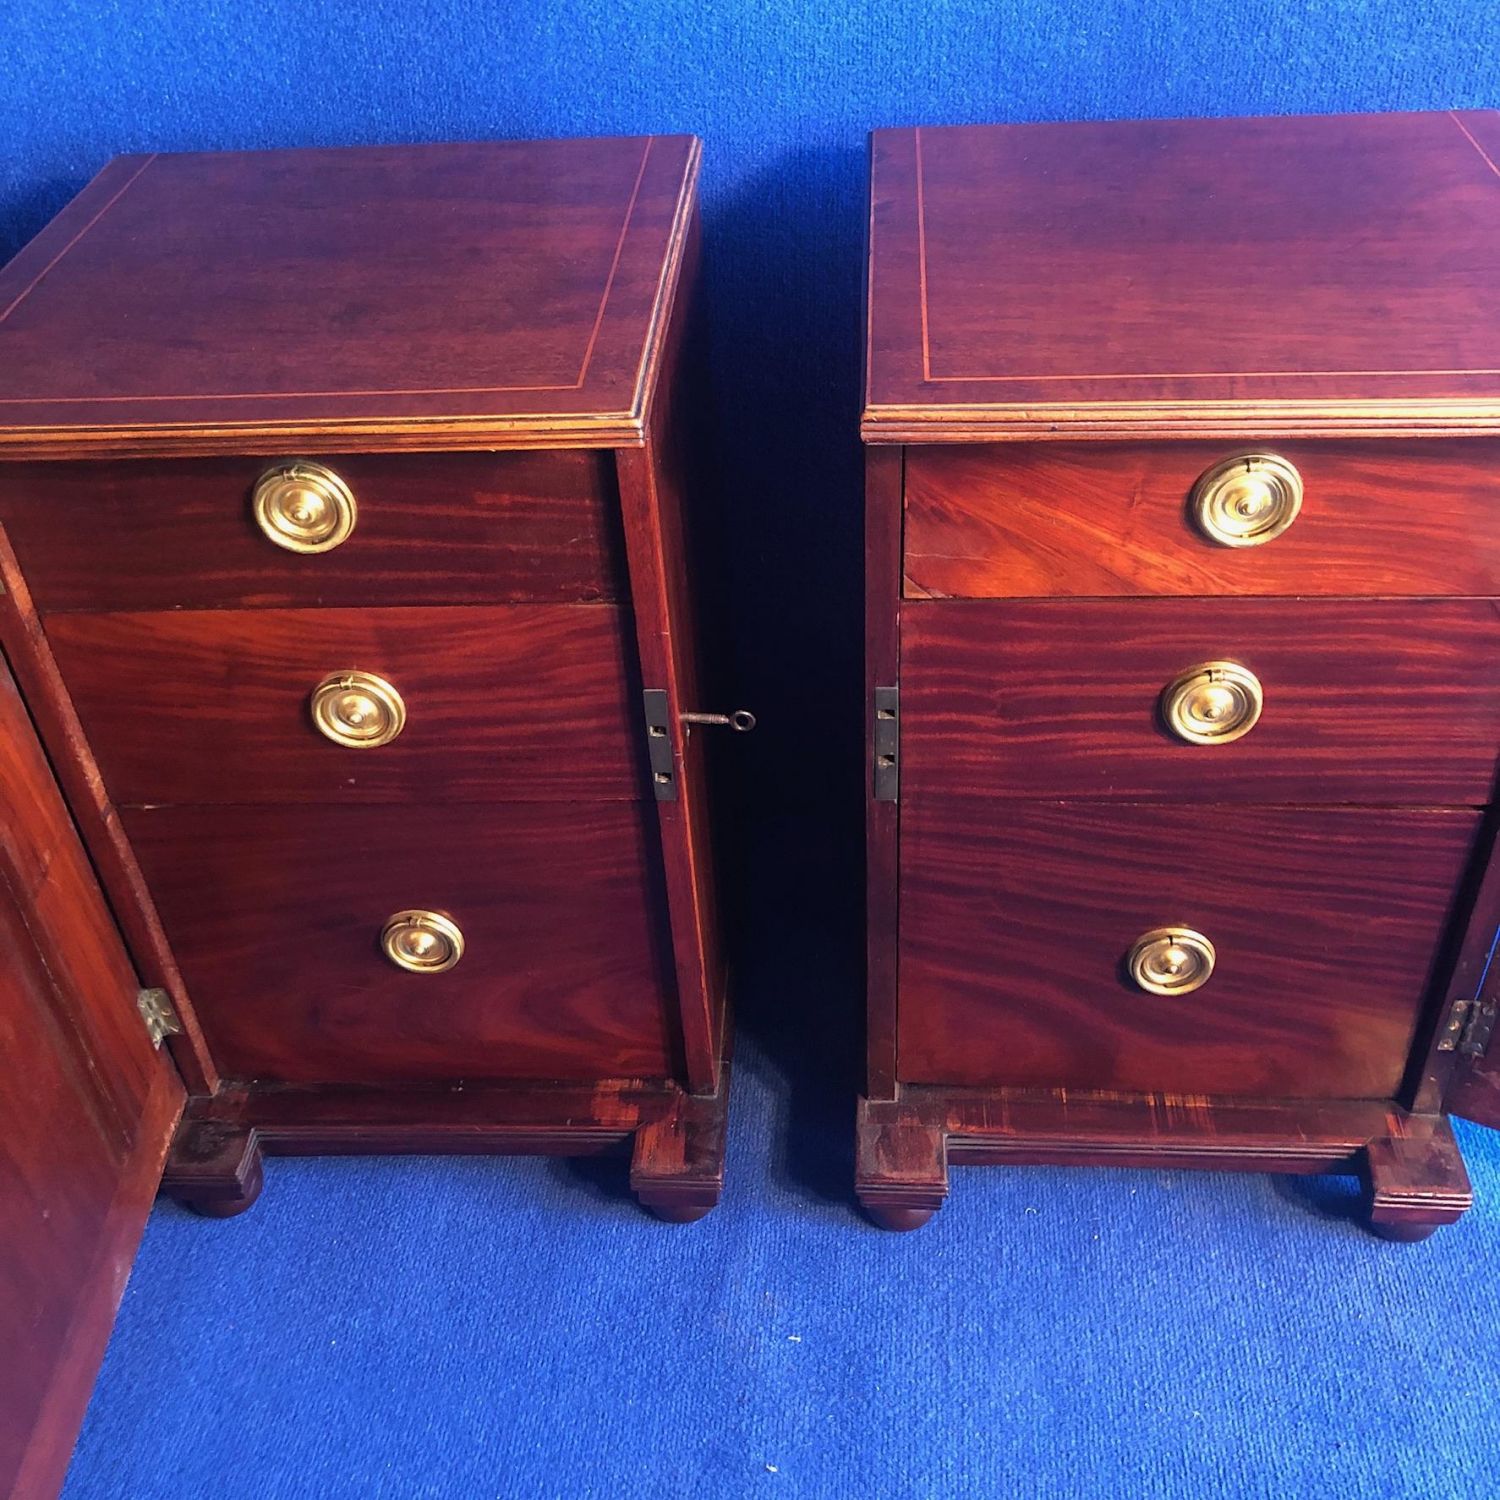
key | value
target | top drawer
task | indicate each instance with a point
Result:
(444, 528)
(1036, 520)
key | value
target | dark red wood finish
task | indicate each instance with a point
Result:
(432, 528)
(505, 703)
(416, 316)
(513, 703)
(653, 482)
(482, 295)
(676, 1139)
(1414, 1175)
(1365, 700)
(97, 817)
(1064, 341)
(1016, 919)
(883, 477)
(1072, 279)
(275, 917)
(84, 1122)
(1020, 520)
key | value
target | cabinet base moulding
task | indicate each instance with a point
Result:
(676, 1139)
(1410, 1163)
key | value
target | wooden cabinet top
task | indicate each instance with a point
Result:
(495, 294)
(1272, 277)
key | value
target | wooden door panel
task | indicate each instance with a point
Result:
(82, 1143)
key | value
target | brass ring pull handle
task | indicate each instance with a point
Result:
(422, 942)
(1248, 500)
(1214, 703)
(1171, 961)
(304, 507)
(357, 710)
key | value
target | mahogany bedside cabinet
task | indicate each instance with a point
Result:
(344, 569)
(1184, 651)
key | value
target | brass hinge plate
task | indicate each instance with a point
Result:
(659, 744)
(1469, 1028)
(156, 1011)
(887, 740)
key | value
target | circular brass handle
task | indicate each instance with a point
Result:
(1214, 703)
(304, 507)
(357, 709)
(1247, 500)
(422, 942)
(1171, 961)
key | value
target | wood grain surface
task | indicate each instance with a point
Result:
(85, 1116)
(1283, 276)
(1016, 919)
(275, 916)
(95, 816)
(677, 1151)
(480, 294)
(1365, 701)
(432, 528)
(883, 469)
(658, 488)
(1414, 1176)
(507, 703)
(1043, 519)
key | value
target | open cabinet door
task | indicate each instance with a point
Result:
(1472, 1035)
(87, 1108)
(1474, 1092)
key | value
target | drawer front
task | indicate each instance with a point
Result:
(1017, 921)
(503, 703)
(275, 916)
(1041, 520)
(1361, 700)
(429, 529)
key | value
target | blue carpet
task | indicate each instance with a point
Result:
(476, 1328)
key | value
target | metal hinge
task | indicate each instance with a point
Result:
(1469, 1027)
(887, 768)
(156, 1011)
(659, 744)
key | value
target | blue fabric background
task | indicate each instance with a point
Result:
(478, 1328)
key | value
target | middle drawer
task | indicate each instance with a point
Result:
(511, 703)
(1358, 700)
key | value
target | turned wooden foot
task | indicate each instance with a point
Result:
(1403, 1234)
(678, 1213)
(897, 1218)
(214, 1169)
(901, 1164)
(1416, 1179)
(677, 1165)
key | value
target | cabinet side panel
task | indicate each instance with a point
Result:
(654, 488)
(883, 478)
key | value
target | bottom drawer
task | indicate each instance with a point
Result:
(276, 914)
(1018, 920)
